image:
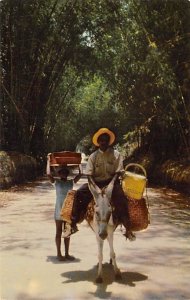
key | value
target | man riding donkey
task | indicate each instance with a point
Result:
(101, 167)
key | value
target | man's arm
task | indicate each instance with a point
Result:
(90, 168)
(120, 168)
(48, 171)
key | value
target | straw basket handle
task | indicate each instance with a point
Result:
(136, 165)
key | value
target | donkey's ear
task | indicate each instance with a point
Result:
(109, 188)
(95, 190)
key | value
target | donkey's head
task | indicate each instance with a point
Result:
(102, 210)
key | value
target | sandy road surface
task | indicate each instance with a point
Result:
(156, 266)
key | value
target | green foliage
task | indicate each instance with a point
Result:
(39, 40)
(82, 114)
(149, 84)
(70, 67)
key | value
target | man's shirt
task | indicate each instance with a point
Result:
(103, 165)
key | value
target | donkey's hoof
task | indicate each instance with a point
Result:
(110, 261)
(118, 276)
(99, 280)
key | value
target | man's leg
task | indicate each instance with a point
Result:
(82, 198)
(120, 202)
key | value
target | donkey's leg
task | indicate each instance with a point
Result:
(112, 253)
(100, 243)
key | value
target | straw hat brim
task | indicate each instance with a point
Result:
(103, 131)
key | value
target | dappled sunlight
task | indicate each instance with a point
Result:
(41, 184)
(169, 204)
(156, 264)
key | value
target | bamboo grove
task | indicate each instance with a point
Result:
(71, 66)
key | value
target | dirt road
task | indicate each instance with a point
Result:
(156, 266)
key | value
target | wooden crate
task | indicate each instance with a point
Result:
(65, 158)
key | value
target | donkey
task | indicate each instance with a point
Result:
(103, 224)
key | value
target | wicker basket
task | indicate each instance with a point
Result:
(134, 184)
(138, 214)
(66, 210)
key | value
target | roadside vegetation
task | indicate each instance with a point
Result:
(70, 67)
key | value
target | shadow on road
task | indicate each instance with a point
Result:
(54, 260)
(128, 279)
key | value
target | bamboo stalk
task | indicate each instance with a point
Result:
(14, 104)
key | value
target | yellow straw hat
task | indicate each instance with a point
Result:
(103, 131)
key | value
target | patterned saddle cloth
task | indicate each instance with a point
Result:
(85, 214)
(66, 210)
(137, 211)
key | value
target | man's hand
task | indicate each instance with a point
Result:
(121, 174)
(91, 180)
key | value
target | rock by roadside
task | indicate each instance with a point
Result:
(16, 168)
